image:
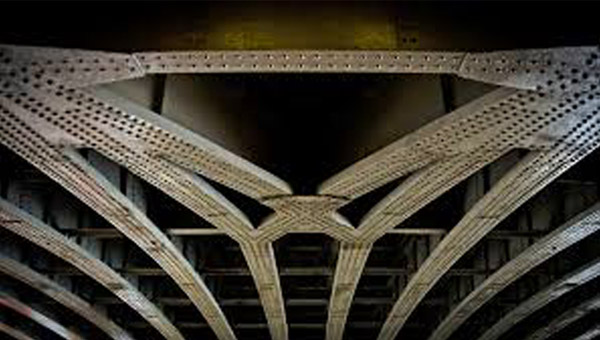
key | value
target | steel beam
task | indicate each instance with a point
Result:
(113, 233)
(48, 109)
(535, 303)
(55, 291)
(43, 320)
(571, 232)
(523, 181)
(187, 188)
(42, 235)
(73, 172)
(567, 318)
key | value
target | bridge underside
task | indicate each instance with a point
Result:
(300, 171)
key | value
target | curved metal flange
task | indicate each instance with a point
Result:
(44, 236)
(523, 181)
(180, 183)
(13, 332)
(77, 118)
(442, 138)
(541, 299)
(567, 318)
(55, 291)
(263, 267)
(163, 138)
(197, 195)
(43, 320)
(80, 178)
(571, 232)
(351, 261)
(472, 139)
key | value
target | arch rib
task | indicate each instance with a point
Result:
(187, 188)
(44, 236)
(557, 289)
(464, 153)
(43, 320)
(444, 170)
(74, 173)
(195, 154)
(523, 181)
(567, 318)
(55, 291)
(571, 232)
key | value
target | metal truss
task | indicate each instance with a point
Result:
(547, 105)
(575, 230)
(55, 291)
(25, 225)
(557, 289)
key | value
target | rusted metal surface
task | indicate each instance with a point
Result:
(60, 294)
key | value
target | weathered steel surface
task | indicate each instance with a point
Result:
(456, 159)
(541, 109)
(60, 294)
(30, 228)
(300, 61)
(78, 176)
(557, 289)
(56, 69)
(573, 231)
(12, 303)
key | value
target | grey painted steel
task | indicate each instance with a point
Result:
(13, 332)
(65, 166)
(557, 289)
(435, 158)
(188, 152)
(566, 318)
(300, 61)
(55, 291)
(57, 68)
(437, 177)
(12, 303)
(573, 231)
(30, 228)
